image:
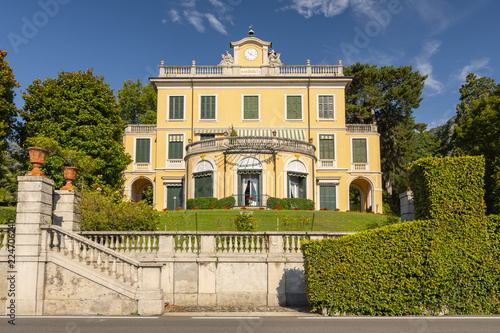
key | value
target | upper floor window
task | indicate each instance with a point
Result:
(326, 107)
(142, 150)
(293, 107)
(207, 136)
(326, 147)
(251, 107)
(175, 147)
(207, 108)
(359, 150)
(176, 108)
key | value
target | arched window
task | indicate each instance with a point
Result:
(203, 179)
(296, 179)
(250, 182)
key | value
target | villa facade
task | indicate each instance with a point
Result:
(253, 128)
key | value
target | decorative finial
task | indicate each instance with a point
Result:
(251, 32)
(340, 62)
(162, 63)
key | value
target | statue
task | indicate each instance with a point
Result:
(274, 59)
(227, 59)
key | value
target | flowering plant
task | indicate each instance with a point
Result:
(324, 208)
(251, 198)
(178, 208)
(212, 207)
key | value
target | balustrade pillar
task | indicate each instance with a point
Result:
(67, 211)
(34, 208)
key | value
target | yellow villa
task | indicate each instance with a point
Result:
(252, 128)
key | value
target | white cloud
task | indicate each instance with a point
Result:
(424, 66)
(474, 66)
(330, 8)
(215, 23)
(215, 12)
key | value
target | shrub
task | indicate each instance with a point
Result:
(103, 212)
(7, 215)
(244, 222)
(203, 203)
(290, 203)
(227, 202)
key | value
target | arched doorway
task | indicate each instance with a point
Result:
(361, 195)
(296, 179)
(250, 182)
(143, 189)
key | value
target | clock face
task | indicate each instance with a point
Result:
(250, 54)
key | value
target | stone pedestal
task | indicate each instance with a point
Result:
(34, 208)
(407, 209)
(67, 211)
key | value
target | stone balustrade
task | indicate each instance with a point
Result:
(361, 128)
(140, 129)
(4, 238)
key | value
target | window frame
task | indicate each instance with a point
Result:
(168, 147)
(150, 149)
(301, 119)
(243, 108)
(318, 118)
(334, 147)
(367, 145)
(183, 108)
(200, 96)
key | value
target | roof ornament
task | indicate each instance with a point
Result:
(251, 33)
(274, 59)
(227, 59)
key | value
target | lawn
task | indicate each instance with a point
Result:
(289, 220)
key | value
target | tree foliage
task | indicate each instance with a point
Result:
(137, 103)
(8, 110)
(478, 131)
(79, 111)
(387, 96)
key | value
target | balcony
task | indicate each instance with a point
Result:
(255, 144)
(142, 166)
(140, 129)
(361, 128)
(265, 70)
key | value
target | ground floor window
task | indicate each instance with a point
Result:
(249, 189)
(328, 197)
(296, 185)
(203, 184)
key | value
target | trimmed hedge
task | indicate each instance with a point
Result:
(421, 267)
(203, 203)
(449, 264)
(447, 186)
(227, 202)
(290, 203)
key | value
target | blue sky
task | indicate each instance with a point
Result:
(127, 39)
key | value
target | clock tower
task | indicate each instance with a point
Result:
(251, 51)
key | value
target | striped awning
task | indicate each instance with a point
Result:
(210, 131)
(282, 133)
(175, 138)
(172, 184)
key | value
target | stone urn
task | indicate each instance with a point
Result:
(37, 158)
(69, 176)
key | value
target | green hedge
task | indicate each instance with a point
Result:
(227, 202)
(203, 203)
(7, 214)
(448, 264)
(447, 186)
(413, 268)
(290, 203)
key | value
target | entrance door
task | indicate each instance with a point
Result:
(174, 197)
(327, 197)
(249, 190)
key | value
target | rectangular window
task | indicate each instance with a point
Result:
(207, 107)
(325, 107)
(203, 187)
(142, 150)
(359, 153)
(176, 107)
(294, 107)
(207, 136)
(326, 147)
(175, 147)
(250, 107)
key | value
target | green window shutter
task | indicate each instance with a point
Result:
(207, 136)
(207, 107)
(327, 197)
(175, 147)
(251, 107)
(176, 107)
(174, 191)
(302, 187)
(142, 150)
(359, 154)
(203, 187)
(294, 107)
(325, 105)
(326, 147)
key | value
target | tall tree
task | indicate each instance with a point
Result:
(137, 103)
(80, 112)
(478, 131)
(387, 96)
(8, 110)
